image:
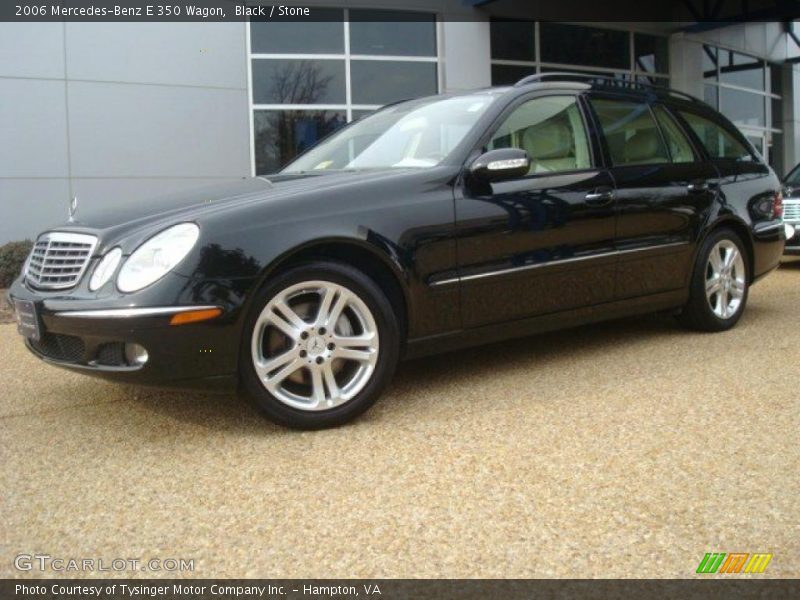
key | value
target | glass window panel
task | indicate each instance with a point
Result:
(710, 63)
(631, 132)
(298, 81)
(550, 130)
(392, 33)
(742, 70)
(513, 40)
(510, 74)
(719, 142)
(680, 150)
(324, 36)
(711, 95)
(653, 80)
(651, 53)
(793, 177)
(579, 45)
(358, 113)
(384, 81)
(743, 108)
(611, 74)
(775, 152)
(758, 143)
(280, 135)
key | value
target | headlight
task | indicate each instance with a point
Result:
(105, 269)
(157, 257)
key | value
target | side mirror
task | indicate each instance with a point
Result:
(503, 163)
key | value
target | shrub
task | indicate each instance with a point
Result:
(12, 258)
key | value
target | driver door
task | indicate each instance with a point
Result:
(542, 242)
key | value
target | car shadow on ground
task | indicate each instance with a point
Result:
(420, 381)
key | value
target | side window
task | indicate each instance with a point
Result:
(550, 129)
(680, 150)
(719, 142)
(631, 132)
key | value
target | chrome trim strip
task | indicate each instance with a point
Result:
(128, 313)
(563, 261)
(770, 227)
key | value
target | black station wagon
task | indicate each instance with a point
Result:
(430, 225)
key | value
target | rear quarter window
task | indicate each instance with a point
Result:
(717, 140)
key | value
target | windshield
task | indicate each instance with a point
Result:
(419, 133)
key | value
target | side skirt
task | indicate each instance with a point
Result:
(540, 324)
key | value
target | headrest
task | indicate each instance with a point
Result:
(548, 141)
(643, 146)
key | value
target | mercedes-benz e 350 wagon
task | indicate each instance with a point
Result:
(430, 225)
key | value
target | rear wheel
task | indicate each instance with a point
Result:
(719, 287)
(320, 347)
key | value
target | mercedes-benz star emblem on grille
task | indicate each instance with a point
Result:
(73, 208)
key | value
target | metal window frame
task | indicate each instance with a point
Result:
(348, 106)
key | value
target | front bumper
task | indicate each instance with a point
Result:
(90, 337)
(793, 241)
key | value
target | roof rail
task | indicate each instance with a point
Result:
(604, 81)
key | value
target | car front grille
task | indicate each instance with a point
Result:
(791, 210)
(59, 259)
(66, 348)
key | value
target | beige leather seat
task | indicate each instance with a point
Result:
(550, 147)
(644, 147)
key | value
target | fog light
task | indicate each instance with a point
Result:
(789, 231)
(135, 354)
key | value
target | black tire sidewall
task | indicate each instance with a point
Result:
(388, 354)
(698, 313)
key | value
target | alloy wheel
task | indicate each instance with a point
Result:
(315, 345)
(725, 279)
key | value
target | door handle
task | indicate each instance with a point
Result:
(600, 198)
(695, 187)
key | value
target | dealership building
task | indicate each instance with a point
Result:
(116, 112)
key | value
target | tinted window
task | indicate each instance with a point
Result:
(718, 142)
(651, 53)
(631, 132)
(513, 40)
(680, 150)
(510, 74)
(298, 82)
(280, 135)
(384, 81)
(590, 46)
(392, 33)
(550, 130)
(794, 177)
(323, 36)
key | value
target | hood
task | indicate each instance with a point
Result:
(115, 220)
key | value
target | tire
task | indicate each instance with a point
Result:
(718, 268)
(319, 346)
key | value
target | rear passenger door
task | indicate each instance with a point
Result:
(665, 190)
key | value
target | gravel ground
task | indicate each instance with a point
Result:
(6, 316)
(627, 449)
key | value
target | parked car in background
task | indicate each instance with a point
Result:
(430, 225)
(791, 210)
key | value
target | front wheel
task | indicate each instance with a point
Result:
(320, 346)
(719, 286)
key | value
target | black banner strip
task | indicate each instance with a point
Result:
(686, 11)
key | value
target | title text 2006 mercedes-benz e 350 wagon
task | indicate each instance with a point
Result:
(429, 225)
